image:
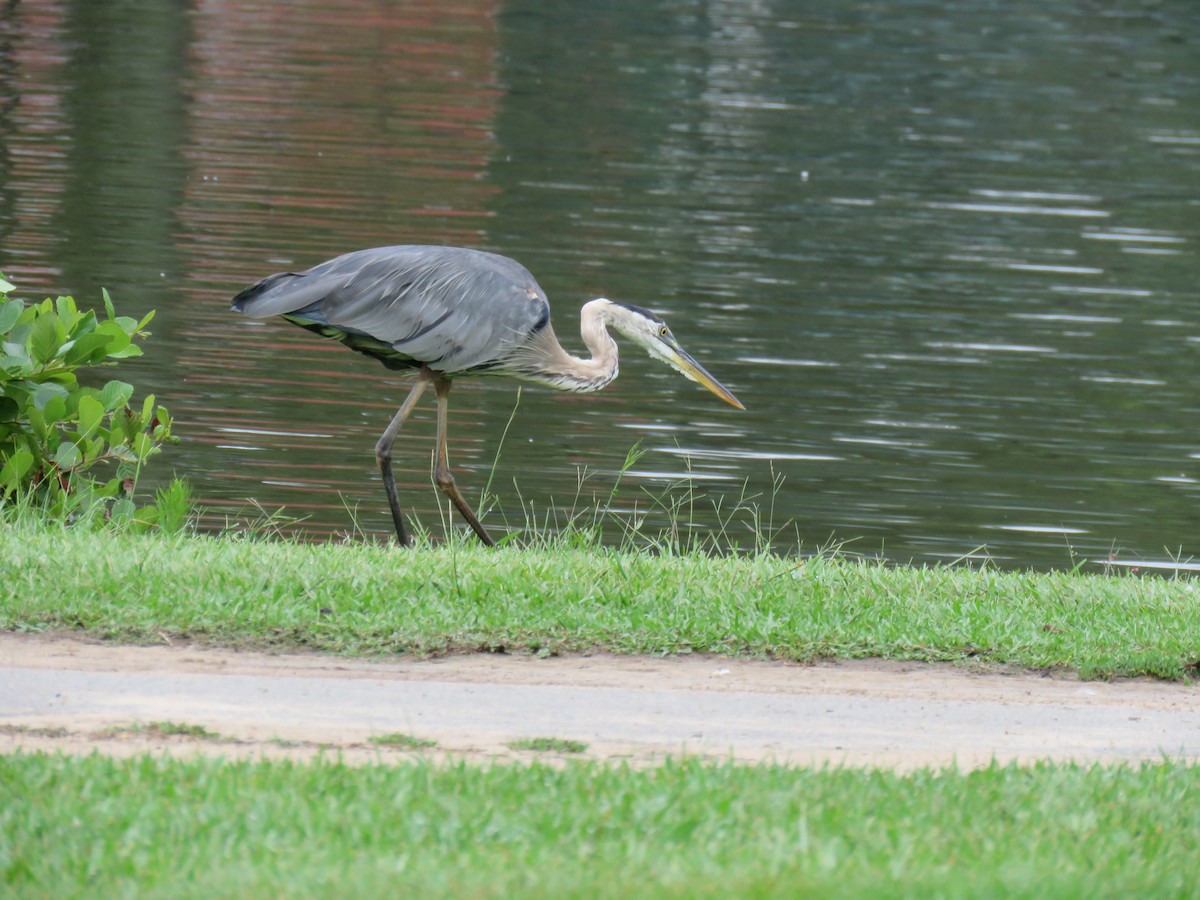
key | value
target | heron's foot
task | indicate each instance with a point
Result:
(445, 481)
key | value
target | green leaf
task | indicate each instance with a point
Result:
(163, 428)
(33, 310)
(88, 350)
(9, 311)
(17, 363)
(85, 323)
(91, 412)
(108, 304)
(123, 510)
(37, 422)
(120, 340)
(67, 311)
(146, 320)
(127, 422)
(5, 287)
(125, 353)
(47, 391)
(115, 395)
(124, 454)
(67, 456)
(55, 409)
(94, 447)
(15, 468)
(8, 409)
(110, 488)
(44, 339)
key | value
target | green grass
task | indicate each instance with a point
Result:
(33, 730)
(155, 826)
(363, 599)
(402, 741)
(163, 729)
(548, 745)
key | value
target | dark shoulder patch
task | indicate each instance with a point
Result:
(542, 309)
(641, 311)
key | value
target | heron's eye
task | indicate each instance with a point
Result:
(664, 331)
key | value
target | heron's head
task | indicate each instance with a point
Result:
(649, 331)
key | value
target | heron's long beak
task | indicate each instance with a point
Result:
(679, 359)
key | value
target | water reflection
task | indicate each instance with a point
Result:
(944, 254)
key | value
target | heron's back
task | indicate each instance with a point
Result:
(450, 308)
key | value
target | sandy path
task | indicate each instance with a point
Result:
(68, 694)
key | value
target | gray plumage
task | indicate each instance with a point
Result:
(450, 311)
(449, 308)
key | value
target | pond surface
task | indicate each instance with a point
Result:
(944, 253)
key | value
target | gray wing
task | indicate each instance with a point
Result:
(450, 308)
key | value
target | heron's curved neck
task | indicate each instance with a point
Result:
(593, 328)
(552, 365)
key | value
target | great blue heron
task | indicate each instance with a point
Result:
(450, 311)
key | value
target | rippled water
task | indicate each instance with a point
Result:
(945, 253)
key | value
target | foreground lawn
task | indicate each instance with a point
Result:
(154, 826)
(360, 599)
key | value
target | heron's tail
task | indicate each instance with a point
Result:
(270, 297)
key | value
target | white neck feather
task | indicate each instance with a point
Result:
(544, 360)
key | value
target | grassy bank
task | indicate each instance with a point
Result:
(360, 599)
(156, 826)
(162, 827)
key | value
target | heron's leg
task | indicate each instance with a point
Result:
(383, 451)
(441, 466)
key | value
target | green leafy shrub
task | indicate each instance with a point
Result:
(73, 451)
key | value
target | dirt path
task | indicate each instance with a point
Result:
(73, 695)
